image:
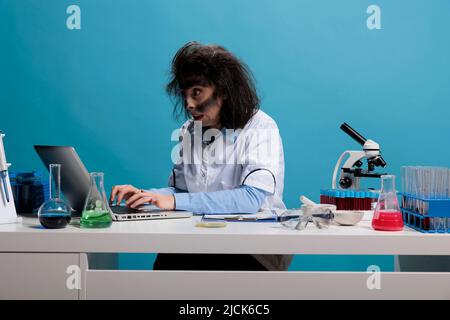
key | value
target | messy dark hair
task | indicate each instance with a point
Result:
(198, 64)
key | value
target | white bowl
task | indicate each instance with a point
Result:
(347, 218)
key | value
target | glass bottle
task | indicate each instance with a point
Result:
(96, 212)
(54, 213)
(387, 215)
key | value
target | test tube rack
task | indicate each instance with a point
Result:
(8, 212)
(349, 199)
(29, 190)
(426, 215)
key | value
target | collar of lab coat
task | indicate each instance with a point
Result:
(230, 135)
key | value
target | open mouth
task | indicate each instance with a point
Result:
(198, 117)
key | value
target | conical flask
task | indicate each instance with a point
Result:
(96, 212)
(387, 215)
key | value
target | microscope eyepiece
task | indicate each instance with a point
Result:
(353, 133)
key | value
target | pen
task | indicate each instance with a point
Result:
(241, 218)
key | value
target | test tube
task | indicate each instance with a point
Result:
(426, 224)
(447, 191)
(347, 200)
(360, 200)
(367, 201)
(439, 225)
(340, 200)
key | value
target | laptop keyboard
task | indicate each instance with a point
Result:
(126, 210)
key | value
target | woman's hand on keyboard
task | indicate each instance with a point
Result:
(123, 192)
(165, 202)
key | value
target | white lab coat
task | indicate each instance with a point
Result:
(252, 156)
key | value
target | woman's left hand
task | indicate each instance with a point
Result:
(159, 200)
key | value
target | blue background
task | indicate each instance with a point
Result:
(101, 88)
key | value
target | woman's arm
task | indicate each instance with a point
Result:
(244, 199)
(166, 191)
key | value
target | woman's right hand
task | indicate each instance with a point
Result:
(123, 192)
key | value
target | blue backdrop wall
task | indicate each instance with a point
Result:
(101, 88)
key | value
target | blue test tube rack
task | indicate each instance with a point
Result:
(426, 215)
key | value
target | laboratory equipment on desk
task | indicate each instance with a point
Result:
(54, 213)
(349, 199)
(341, 217)
(30, 191)
(319, 214)
(425, 198)
(351, 171)
(387, 215)
(8, 212)
(96, 212)
(290, 218)
(346, 193)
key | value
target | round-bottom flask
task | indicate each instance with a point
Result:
(54, 213)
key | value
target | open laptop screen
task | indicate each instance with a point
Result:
(74, 176)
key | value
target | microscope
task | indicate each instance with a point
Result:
(7, 208)
(351, 171)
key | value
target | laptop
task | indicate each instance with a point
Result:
(75, 182)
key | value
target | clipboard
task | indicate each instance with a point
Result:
(264, 216)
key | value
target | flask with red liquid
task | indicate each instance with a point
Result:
(387, 215)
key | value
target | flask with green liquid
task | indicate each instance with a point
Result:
(96, 212)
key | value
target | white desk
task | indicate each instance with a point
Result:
(34, 261)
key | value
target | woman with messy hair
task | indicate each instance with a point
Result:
(230, 158)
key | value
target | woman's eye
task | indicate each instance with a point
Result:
(196, 92)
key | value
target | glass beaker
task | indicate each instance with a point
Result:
(96, 211)
(54, 213)
(387, 215)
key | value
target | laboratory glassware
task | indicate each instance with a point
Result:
(349, 199)
(54, 213)
(426, 198)
(387, 215)
(96, 213)
(29, 190)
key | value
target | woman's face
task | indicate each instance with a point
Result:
(203, 106)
